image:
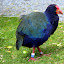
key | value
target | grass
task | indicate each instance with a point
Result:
(9, 55)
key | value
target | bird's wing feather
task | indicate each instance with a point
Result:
(33, 25)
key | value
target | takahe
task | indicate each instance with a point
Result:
(35, 28)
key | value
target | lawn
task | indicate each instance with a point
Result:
(9, 54)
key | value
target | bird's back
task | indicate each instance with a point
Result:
(33, 25)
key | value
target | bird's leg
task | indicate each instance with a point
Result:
(32, 55)
(41, 53)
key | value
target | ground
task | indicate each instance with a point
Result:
(9, 54)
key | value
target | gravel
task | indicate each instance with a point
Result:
(16, 8)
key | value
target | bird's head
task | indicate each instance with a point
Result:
(53, 8)
(58, 11)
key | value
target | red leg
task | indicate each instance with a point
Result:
(41, 53)
(33, 50)
(32, 55)
(39, 49)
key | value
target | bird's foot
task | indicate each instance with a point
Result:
(48, 54)
(40, 56)
(45, 54)
(31, 59)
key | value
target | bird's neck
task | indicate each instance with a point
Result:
(52, 17)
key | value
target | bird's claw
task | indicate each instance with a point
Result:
(45, 54)
(39, 57)
(48, 54)
(31, 59)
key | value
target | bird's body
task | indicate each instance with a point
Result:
(36, 27)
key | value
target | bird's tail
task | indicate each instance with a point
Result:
(18, 44)
(17, 47)
(19, 40)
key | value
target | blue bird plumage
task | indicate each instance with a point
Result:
(36, 27)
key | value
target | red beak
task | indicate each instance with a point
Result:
(58, 11)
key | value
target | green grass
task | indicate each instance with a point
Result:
(54, 45)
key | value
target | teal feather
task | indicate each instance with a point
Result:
(33, 24)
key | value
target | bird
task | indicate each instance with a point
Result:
(36, 27)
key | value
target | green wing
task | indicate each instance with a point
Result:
(33, 24)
